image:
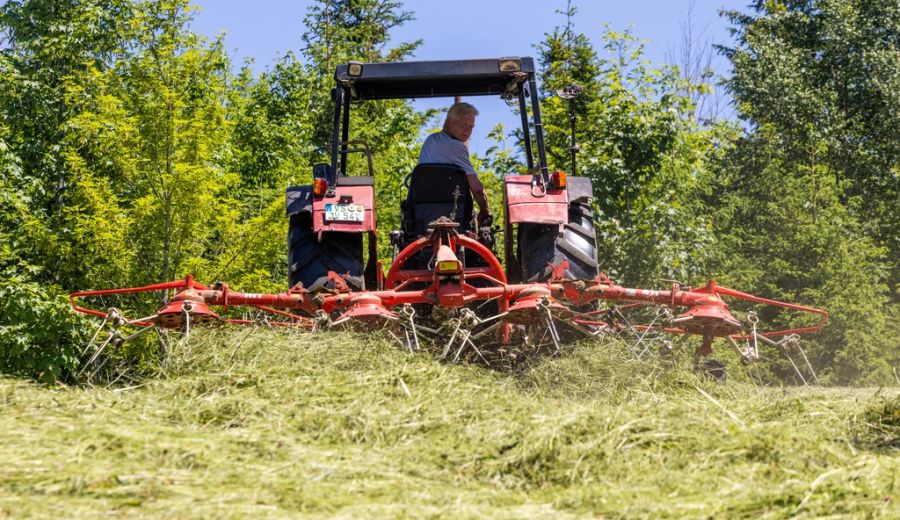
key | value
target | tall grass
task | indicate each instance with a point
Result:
(274, 424)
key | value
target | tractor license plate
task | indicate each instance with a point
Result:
(345, 212)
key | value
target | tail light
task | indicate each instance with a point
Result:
(558, 179)
(320, 186)
(448, 266)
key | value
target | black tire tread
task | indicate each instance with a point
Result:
(541, 245)
(310, 260)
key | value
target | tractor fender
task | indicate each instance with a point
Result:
(527, 205)
(579, 189)
(299, 200)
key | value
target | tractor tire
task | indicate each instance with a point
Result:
(542, 246)
(310, 260)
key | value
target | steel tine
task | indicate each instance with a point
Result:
(136, 334)
(808, 364)
(94, 338)
(462, 345)
(492, 318)
(780, 345)
(112, 335)
(409, 312)
(452, 339)
(548, 321)
(187, 323)
(796, 368)
(478, 351)
(488, 330)
(631, 328)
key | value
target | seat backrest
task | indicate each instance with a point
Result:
(431, 195)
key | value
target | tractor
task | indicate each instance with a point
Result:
(445, 285)
(549, 213)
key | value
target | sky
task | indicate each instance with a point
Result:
(264, 30)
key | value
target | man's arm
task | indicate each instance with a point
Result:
(480, 196)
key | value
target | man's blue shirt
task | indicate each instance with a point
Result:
(442, 148)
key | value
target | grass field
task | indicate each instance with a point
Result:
(268, 424)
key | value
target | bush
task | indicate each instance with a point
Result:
(39, 333)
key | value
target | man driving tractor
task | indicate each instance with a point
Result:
(450, 146)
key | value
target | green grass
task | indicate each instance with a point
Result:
(272, 424)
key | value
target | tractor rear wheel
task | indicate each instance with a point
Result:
(543, 246)
(310, 260)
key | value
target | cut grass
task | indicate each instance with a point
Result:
(273, 424)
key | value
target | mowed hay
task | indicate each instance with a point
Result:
(275, 424)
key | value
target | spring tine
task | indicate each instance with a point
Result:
(736, 347)
(452, 339)
(488, 330)
(458, 352)
(109, 338)
(753, 319)
(97, 370)
(478, 351)
(492, 318)
(94, 338)
(427, 330)
(136, 334)
(631, 328)
(408, 343)
(410, 312)
(321, 319)
(808, 364)
(398, 339)
(644, 334)
(548, 321)
(796, 368)
(415, 334)
(187, 323)
(462, 344)
(781, 346)
(163, 337)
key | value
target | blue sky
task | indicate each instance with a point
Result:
(265, 29)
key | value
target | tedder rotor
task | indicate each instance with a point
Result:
(445, 285)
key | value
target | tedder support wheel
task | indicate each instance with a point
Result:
(309, 260)
(542, 246)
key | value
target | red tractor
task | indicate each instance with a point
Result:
(550, 214)
(445, 281)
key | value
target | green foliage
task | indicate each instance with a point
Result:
(809, 198)
(825, 74)
(785, 234)
(130, 152)
(40, 335)
(647, 160)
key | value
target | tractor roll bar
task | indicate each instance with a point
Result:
(526, 134)
(338, 94)
(505, 77)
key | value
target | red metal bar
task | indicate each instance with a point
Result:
(823, 314)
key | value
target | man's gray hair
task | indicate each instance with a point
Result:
(461, 109)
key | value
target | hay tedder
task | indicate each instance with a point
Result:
(446, 288)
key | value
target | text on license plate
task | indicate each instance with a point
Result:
(345, 212)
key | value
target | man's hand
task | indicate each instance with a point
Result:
(484, 218)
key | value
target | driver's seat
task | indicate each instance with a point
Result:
(431, 195)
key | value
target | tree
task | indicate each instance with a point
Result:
(47, 41)
(805, 197)
(150, 137)
(826, 75)
(644, 155)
